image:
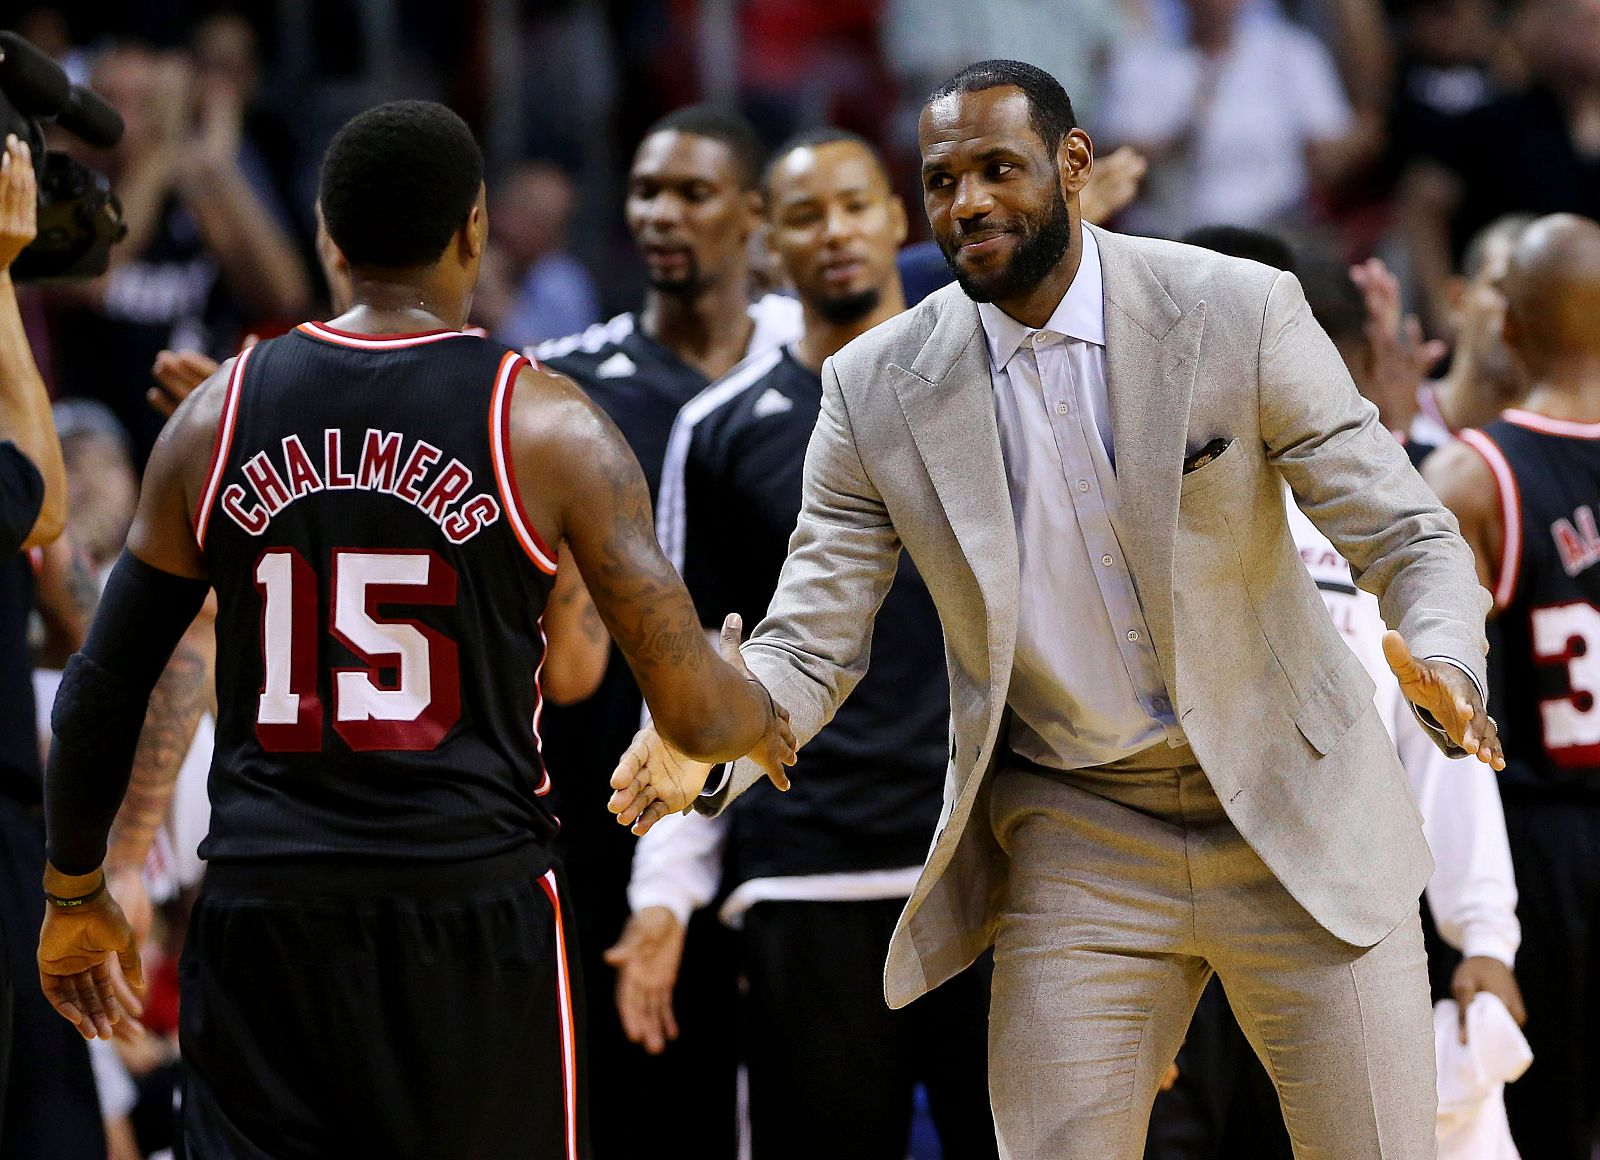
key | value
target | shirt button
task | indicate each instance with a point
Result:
(1061, 408)
(1106, 559)
(1083, 485)
(1133, 634)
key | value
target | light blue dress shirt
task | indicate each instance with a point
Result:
(1086, 685)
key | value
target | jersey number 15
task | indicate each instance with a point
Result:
(414, 711)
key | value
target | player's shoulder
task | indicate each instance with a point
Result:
(1464, 474)
(773, 394)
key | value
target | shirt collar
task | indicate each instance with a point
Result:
(1080, 314)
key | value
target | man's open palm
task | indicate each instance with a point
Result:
(1446, 693)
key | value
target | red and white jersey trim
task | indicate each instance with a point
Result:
(376, 342)
(505, 474)
(1549, 426)
(1510, 497)
(569, 1055)
(221, 446)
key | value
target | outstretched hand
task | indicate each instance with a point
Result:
(89, 967)
(653, 779)
(1446, 693)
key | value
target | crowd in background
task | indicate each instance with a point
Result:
(1355, 128)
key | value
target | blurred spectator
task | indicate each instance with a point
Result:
(1448, 68)
(539, 291)
(810, 62)
(1483, 379)
(1535, 151)
(202, 256)
(1241, 118)
(925, 41)
(102, 489)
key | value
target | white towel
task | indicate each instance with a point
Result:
(1472, 1078)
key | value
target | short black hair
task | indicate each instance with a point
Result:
(826, 135)
(717, 124)
(1048, 105)
(397, 183)
(1336, 301)
(1243, 242)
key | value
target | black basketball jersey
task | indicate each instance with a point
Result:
(380, 594)
(1544, 660)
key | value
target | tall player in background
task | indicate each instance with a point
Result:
(1527, 492)
(693, 203)
(815, 877)
(372, 501)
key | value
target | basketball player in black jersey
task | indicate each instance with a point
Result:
(379, 963)
(693, 202)
(1527, 492)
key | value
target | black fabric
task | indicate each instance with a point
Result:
(832, 1068)
(50, 1109)
(1544, 701)
(1223, 1105)
(100, 707)
(453, 770)
(867, 790)
(405, 1023)
(1555, 852)
(21, 498)
(21, 776)
(641, 386)
(1537, 167)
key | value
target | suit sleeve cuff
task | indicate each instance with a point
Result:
(1426, 719)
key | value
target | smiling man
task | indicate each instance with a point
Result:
(1164, 761)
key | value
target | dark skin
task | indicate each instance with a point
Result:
(581, 485)
(691, 218)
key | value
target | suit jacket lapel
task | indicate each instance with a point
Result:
(1152, 347)
(948, 401)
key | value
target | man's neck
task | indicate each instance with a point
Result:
(823, 339)
(710, 332)
(1462, 400)
(1571, 393)
(403, 307)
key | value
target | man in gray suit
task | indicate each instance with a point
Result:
(1164, 761)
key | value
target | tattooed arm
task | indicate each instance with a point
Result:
(579, 479)
(65, 593)
(182, 695)
(577, 644)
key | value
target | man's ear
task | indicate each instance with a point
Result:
(1074, 161)
(1455, 294)
(897, 212)
(755, 205)
(475, 231)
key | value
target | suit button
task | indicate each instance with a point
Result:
(1083, 485)
(1106, 559)
(1133, 634)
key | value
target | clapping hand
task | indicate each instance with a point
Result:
(1448, 694)
(19, 200)
(653, 779)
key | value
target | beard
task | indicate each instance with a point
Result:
(692, 283)
(842, 309)
(1043, 239)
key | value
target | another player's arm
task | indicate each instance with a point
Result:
(577, 644)
(1465, 485)
(579, 479)
(151, 599)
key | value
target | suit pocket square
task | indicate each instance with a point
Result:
(1205, 455)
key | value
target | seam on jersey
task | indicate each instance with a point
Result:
(1510, 498)
(672, 510)
(221, 448)
(505, 473)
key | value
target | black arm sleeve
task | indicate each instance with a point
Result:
(100, 708)
(21, 497)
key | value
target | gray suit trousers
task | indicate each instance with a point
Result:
(1127, 887)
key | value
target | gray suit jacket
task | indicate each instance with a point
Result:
(1276, 707)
